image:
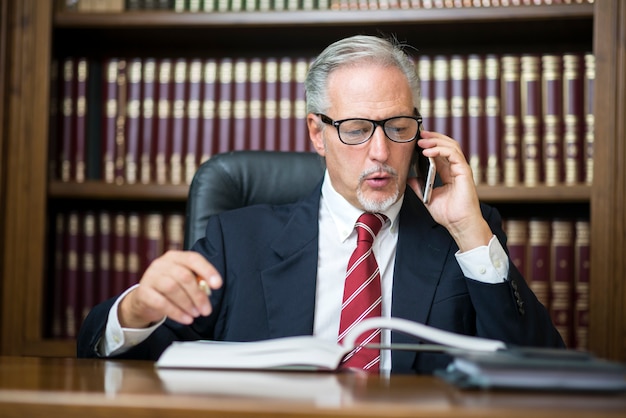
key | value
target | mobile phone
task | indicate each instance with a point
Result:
(425, 171)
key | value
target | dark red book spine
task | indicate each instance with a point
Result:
(493, 121)
(301, 131)
(285, 104)
(425, 71)
(589, 80)
(563, 267)
(240, 104)
(163, 116)
(270, 108)
(192, 138)
(574, 113)
(178, 121)
(104, 258)
(517, 243)
(68, 97)
(109, 122)
(174, 231)
(133, 249)
(539, 259)
(255, 105)
(120, 123)
(552, 91)
(209, 108)
(225, 106)
(152, 236)
(581, 303)
(531, 119)
(148, 110)
(80, 130)
(133, 122)
(57, 282)
(119, 251)
(441, 105)
(476, 116)
(458, 102)
(88, 264)
(511, 117)
(72, 276)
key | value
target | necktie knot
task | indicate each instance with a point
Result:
(368, 225)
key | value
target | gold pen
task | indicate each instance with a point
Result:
(204, 285)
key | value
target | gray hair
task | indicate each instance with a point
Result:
(353, 51)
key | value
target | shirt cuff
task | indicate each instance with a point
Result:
(118, 339)
(487, 263)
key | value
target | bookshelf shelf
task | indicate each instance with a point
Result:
(35, 34)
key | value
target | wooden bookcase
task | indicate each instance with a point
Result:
(33, 32)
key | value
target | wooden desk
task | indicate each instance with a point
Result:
(51, 387)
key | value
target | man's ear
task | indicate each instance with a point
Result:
(315, 133)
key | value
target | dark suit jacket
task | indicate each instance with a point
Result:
(267, 256)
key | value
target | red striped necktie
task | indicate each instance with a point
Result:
(362, 295)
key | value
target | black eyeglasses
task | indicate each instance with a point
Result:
(356, 131)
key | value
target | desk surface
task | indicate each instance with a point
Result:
(54, 387)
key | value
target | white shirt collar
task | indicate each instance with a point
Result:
(344, 215)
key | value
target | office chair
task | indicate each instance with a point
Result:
(243, 178)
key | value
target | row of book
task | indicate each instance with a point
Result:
(553, 256)
(99, 254)
(520, 119)
(280, 5)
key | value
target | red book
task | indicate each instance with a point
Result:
(270, 108)
(589, 80)
(581, 286)
(493, 121)
(68, 105)
(88, 264)
(153, 239)
(120, 123)
(511, 117)
(285, 105)
(80, 130)
(240, 104)
(56, 282)
(517, 243)
(574, 114)
(425, 71)
(104, 259)
(54, 153)
(255, 107)
(110, 118)
(178, 121)
(539, 259)
(476, 116)
(552, 89)
(119, 252)
(531, 119)
(225, 106)
(192, 138)
(301, 132)
(72, 276)
(132, 123)
(209, 106)
(174, 231)
(163, 118)
(562, 278)
(458, 102)
(441, 94)
(148, 108)
(133, 249)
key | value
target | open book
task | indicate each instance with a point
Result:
(309, 352)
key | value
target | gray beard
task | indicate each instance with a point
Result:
(374, 206)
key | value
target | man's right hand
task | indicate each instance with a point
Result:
(169, 287)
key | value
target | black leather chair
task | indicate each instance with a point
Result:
(242, 178)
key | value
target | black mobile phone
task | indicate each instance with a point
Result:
(425, 171)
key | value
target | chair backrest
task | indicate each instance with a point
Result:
(243, 178)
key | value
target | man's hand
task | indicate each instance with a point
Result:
(455, 204)
(169, 287)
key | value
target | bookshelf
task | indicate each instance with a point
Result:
(28, 193)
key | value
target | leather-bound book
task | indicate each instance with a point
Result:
(174, 231)
(79, 156)
(241, 102)
(133, 249)
(285, 105)
(120, 123)
(539, 257)
(562, 278)
(552, 96)
(109, 119)
(476, 116)
(193, 106)
(68, 106)
(105, 256)
(301, 140)
(153, 238)
(148, 112)
(255, 104)
(574, 114)
(493, 121)
(179, 102)
(441, 94)
(589, 79)
(459, 101)
(531, 118)
(88, 264)
(425, 71)
(209, 108)
(119, 252)
(581, 285)
(133, 122)
(71, 283)
(511, 108)
(225, 106)
(517, 243)
(270, 104)
(165, 73)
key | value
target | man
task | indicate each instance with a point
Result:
(278, 271)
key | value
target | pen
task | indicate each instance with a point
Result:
(204, 285)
